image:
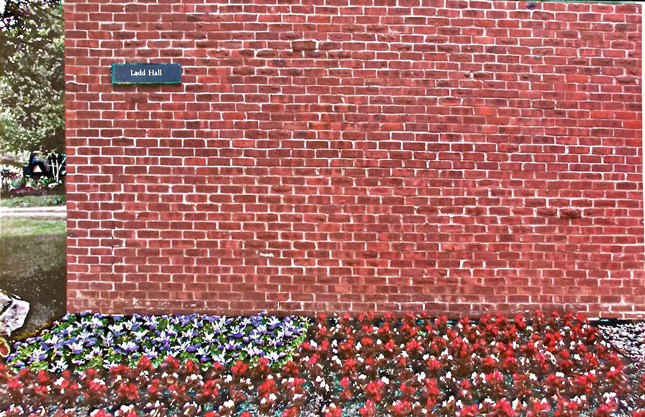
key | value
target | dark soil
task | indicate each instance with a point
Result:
(34, 268)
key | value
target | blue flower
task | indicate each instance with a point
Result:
(151, 354)
(79, 339)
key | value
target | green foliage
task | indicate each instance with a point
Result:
(44, 200)
(31, 77)
(31, 183)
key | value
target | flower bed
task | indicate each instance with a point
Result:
(629, 339)
(538, 366)
(99, 341)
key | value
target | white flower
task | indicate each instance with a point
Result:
(59, 366)
(115, 328)
(37, 352)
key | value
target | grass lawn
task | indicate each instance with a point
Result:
(14, 227)
(33, 266)
(33, 200)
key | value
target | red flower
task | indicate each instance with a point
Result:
(15, 384)
(367, 341)
(539, 409)
(144, 364)
(606, 409)
(401, 408)
(349, 365)
(267, 387)
(412, 346)
(170, 363)
(290, 412)
(468, 411)
(129, 392)
(432, 387)
(374, 390)
(239, 369)
(504, 408)
(191, 367)
(333, 411)
(434, 364)
(95, 391)
(389, 346)
(368, 409)
(210, 390)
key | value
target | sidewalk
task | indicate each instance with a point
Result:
(52, 212)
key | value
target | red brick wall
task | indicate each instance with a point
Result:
(453, 156)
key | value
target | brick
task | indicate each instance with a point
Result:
(313, 160)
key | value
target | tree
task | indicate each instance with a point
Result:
(31, 76)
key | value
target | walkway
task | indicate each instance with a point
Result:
(53, 212)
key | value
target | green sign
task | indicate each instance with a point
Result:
(146, 74)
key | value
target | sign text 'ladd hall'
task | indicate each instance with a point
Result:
(146, 74)
(453, 156)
